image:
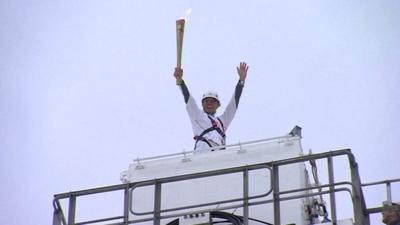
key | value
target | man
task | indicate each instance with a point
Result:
(209, 129)
(391, 214)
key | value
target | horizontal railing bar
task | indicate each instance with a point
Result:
(240, 205)
(242, 199)
(314, 194)
(375, 210)
(214, 148)
(315, 156)
(316, 187)
(381, 182)
(255, 166)
(200, 175)
(163, 180)
(204, 204)
(300, 196)
(91, 191)
(99, 220)
(116, 223)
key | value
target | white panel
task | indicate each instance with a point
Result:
(223, 187)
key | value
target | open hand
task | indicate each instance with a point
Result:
(242, 70)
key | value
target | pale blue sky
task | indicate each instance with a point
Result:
(86, 86)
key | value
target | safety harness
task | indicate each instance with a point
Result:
(213, 127)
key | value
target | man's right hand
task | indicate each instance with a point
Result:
(178, 75)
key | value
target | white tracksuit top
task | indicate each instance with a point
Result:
(201, 122)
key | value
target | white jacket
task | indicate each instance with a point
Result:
(200, 120)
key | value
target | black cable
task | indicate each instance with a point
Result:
(224, 215)
(260, 221)
(237, 219)
(174, 222)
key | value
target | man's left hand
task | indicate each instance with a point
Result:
(242, 70)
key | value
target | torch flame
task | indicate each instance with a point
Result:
(187, 14)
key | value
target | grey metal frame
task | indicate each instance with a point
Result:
(361, 213)
(388, 189)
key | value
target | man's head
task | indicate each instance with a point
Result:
(391, 214)
(210, 102)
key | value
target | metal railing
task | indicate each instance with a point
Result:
(245, 170)
(388, 188)
(353, 187)
(265, 140)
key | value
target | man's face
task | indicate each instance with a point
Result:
(210, 105)
(390, 216)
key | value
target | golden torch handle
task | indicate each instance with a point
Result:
(180, 29)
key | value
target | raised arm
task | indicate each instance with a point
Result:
(179, 81)
(242, 72)
(232, 106)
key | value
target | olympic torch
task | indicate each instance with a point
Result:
(180, 30)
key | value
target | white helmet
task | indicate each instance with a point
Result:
(210, 94)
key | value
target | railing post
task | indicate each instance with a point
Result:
(332, 190)
(275, 185)
(56, 217)
(71, 210)
(246, 196)
(388, 192)
(361, 217)
(126, 204)
(157, 203)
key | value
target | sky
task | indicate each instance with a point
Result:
(87, 86)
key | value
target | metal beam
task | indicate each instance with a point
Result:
(331, 188)
(246, 197)
(275, 187)
(71, 210)
(157, 203)
(126, 205)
